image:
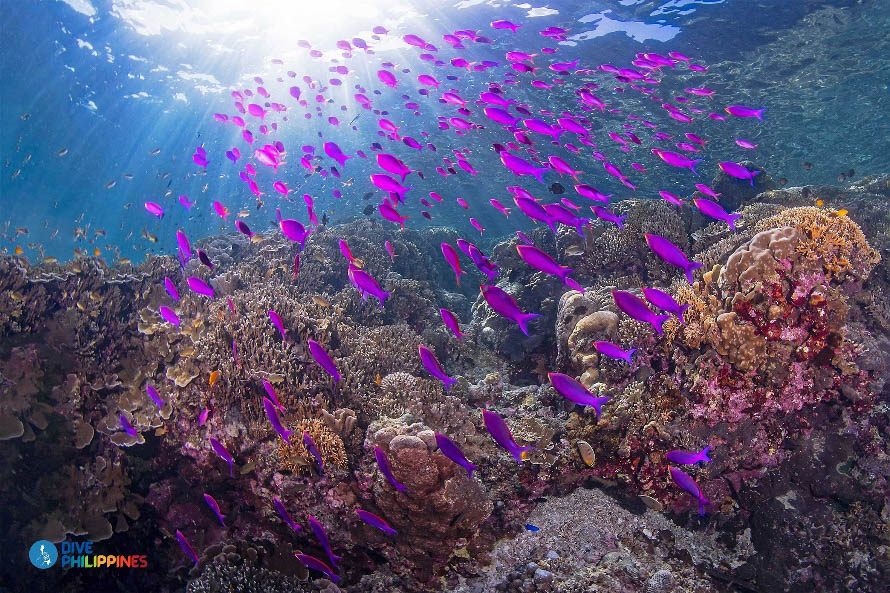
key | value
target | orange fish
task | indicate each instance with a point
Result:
(377, 379)
(19, 250)
(819, 203)
(214, 377)
(96, 252)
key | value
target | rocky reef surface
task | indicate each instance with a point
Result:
(781, 366)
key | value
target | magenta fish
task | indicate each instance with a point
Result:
(636, 308)
(387, 183)
(542, 261)
(275, 421)
(277, 322)
(199, 286)
(375, 521)
(316, 564)
(502, 24)
(744, 111)
(366, 284)
(522, 167)
(323, 540)
(614, 351)
(393, 165)
(504, 305)
(220, 450)
(390, 250)
(452, 259)
(186, 547)
(243, 228)
(313, 450)
(154, 395)
(575, 392)
(452, 451)
(500, 432)
(168, 315)
(450, 321)
(716, 211)
(738, 171)
(155, 209)
(671, 254)
(282, 512)
(671, 198)
(665, 302)
(676, 159)
(324, 360)
(383, 464)
(685, 481)
(688, 457)
(214, 506)
(609, 216)
(294, 230)
(333, 151)
(126, 426)
(270, 390)
(432, 365)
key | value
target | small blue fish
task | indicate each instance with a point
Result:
(531, 527)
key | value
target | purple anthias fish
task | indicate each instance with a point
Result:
(676, 159)
(126, 426)
(282, 512)
(168, 315)
(450, 321)
(214, 506)
(609, 216)
(324, 360)
(333, 151)
(323, 540)
(453, 452)
(688, 457)
(542, 261)
(366, 285)
(186, 547)
(383, 464)
(738, 171)
(171, 288)
(313, 450)
(744, 111)
(504, 305)
(185, 247)
(685, 481)
(521, 167)
(220, 450)
(155, 209)
(453, 261)
(636, 308)
(316, 564)
(534, 211)
(431, 364)
(671, 254)
(499, 431)
(716, 211)
(272, 395)
(575, 392)
(243, 228)
(393, 165)
(272, 414)
(199, 286)
(375, 521)
(155, 396)
(295, 231)
(665, 302)
(388, 212)
(614, 351)
(277, 322)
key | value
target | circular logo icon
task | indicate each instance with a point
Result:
(43, 554)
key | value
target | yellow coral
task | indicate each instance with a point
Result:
(835, 241)
(296, 458)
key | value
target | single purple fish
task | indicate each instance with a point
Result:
(504, 305)
(270, 390)
(609, 216)
(450, 321)
(272, 414)
(671, 254)
(220, 450)
(636, 308)
(323, 540)
(452, 451)
(367, 284)
(716, 211)
(282, 512)
(431, 364)
(277, 322)
(614, 351)
(316, 564)
(154, 395)
(665, 302)
(685, 481)
(294, 230)
(573, 391)
(168, 315)
(186, 547)
(155, 209)
(323, 359)
(676, 159)
(202, 417)
(499, 431)
(688, 457)
(199, 286)
(185, 247)
(313, 450)
(744, 111)
(214, 506)
(126, 426)
(738, 171)
(542, 261)
(204, 258)
(383, 464)
(171, 288)
(375, 521)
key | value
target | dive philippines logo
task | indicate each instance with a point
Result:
(43, 554)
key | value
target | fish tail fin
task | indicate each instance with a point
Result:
(691, 266)
(730, 220)
(751, 177)
(620, 221)
(658, 322)
(570, 282)
(627, 355)
(692, 167)
(704, 454)
(539, 174)
(449, 381)
(523, 320)
(759, 113)
(680, 314)
(552, 224)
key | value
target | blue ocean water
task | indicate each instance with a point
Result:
(127, 89)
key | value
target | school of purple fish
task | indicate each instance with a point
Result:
(258, 116)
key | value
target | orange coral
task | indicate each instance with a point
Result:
(297, 459)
